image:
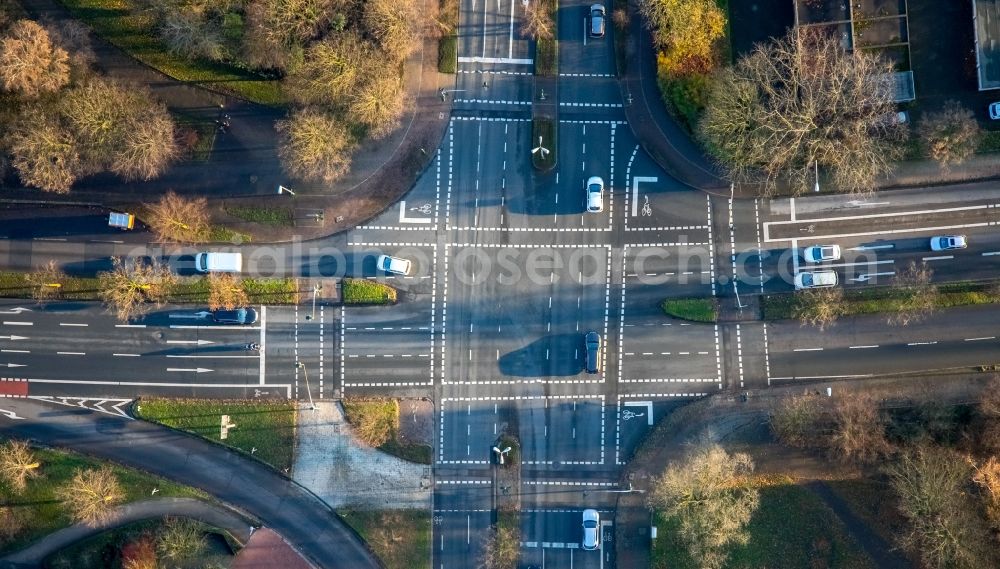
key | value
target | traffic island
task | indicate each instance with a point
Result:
(543, 138)
(502, 547)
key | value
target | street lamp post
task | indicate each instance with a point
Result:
(302, 366)
(316, 288)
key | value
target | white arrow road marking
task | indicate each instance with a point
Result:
(17, 310)
(13, 337)
(866, 276)
(201, 314)
(82, 402)
(11, 415)
(214, 357)
(196, 370)
(12, 365)
(871, 247)
(199, 342)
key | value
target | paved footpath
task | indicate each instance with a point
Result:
(200, 510)
(306, 523)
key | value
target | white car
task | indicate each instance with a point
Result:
(591, 529)
(394, 265)
(815, 279)
(946, 242)
(995, 111)
(821, 253)
(595, 194)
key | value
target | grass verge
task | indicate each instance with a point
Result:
(401, 539)
(621, 24)
(268, 426)
(364, 291)
(197, 136)
(134, 32)
(884, 299)
(694, 309)
(792, 528)
(276, 216)
(222, 234)
(376, 422)
(190, 290)
(106, 548)
(547, 50)
(36, 512)
(448, 43)
(544, 129)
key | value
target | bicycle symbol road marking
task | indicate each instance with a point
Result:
(629, 415)
(424, 209)
(646, 209)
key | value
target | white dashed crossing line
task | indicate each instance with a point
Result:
(983, 338)
(808, 350)
(862, 347)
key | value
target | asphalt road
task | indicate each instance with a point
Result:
(301, 518)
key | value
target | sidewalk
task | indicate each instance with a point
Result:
(211, 514)
(244, 168)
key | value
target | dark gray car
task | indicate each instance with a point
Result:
(239, 316)
(593, 341)
(597, 21)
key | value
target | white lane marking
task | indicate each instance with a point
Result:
(636, 180)
(198, 342)
(126, 355)
(872, 247)
(987, 254)
(213, 357)
(16, 351)
(983, 338)
(808, 350)
(49, 239)
(921, 343)
(858, 264)
(196, 370)
(72, 353)
(286, 386)
(862, 347)
(15, 323)
(768, 238)
(72, 324)
(510, 60)
(131, 326)
(880, 215)
(179, 327)
(938, 258)
(263, 333)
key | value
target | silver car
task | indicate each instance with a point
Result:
(597, 21)
(591, 529)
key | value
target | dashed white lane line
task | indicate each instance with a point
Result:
(991, 253)
(17, 323)
(16, 351)
(983, 338)
(938, 258)
(71, 353)
(126, 355)
(72, 324)
(921, 343)
(862, 347)
(808, 350)
(130, 325)
(185, 327)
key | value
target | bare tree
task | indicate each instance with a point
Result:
(950, 135)
(798, 421)
(378, 104)
(709, 495)
(226, 291)
(275, 29)
(918, 297)
(537, 22)
(819, 307)
(987, 476)
(501, 549)
(44, 151)
(944, 526)
(74, 37)
(91, 495)
(139, 554)
(314, 146)
(802, 100)
(180, 540)
(30, 64)
(396, 26)
(148, 146)
(989, 414)
(331, 71)
(132, 285)
(374, 422)
(859, 428)
(180, 219)
(186, 32)
(46, 281)
(17, 464)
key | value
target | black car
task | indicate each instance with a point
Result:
(239, 316)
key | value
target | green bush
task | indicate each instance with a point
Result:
(364, 291)
(989, 142)
(685, 95)
(694, 309)
(545, 129)
(547, 57)
(276, 216)
(448, 54)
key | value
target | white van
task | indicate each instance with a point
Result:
(218, 262)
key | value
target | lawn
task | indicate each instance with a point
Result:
(189, 290)
(134, 33)
(448, 44)
(376, 420)
(267, 426)
(693, 309)
(36, 512)
(547, 50)
(276, 216)
(884, 299)
(401, 539)
(791, 529)
(364, 291)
